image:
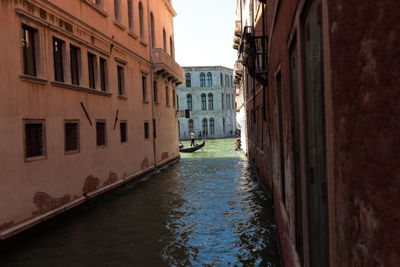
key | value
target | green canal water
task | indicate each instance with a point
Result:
(206, 210)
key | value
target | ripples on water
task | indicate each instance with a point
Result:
(206, 210)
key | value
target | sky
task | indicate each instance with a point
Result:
(204, 32)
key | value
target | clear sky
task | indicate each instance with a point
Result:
(204, 32)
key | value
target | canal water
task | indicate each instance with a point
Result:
(206, 210)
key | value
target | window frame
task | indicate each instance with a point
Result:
(103, 72)
(202, 79)
(121, 80)
(78, 62)
(105, 134)
(43, 156)
(77, 150)
(123, 134)
(34, 36)
(203, 98)
(144, 87)
(210, 98)
(92, 77)
(146, 128)
(188, 79)
(209, 79)
(58, 59)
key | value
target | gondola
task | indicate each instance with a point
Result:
(193, 148)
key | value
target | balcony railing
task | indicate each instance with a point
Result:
(164, 64)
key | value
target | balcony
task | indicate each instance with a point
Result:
(238, 72)
(165, 65)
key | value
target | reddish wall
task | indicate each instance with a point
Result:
(365, 63)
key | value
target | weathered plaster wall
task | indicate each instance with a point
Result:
(365, 66)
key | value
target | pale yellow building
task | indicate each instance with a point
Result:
(87, 101)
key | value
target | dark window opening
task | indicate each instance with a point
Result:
(188, 80)
(103, 74)
(166, 96)
(154, 129)
(120, 76)
(130, 15)
(29, 50)
(91, 67)
(123, 127)
(71, 131)
(74, 56)
(58, 46)
(155, 91)
(146, 130)
(101, 133)
(144, 87)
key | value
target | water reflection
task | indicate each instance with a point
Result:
(207, 210)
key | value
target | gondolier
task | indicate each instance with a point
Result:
(192, 139)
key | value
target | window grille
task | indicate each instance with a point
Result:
(34, 139)
(71, 131)
(101, 133)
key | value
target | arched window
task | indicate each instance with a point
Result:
(204, 127)
(210, 101)
(223, 125)
(212, 127)
(189, 101)
(209, 79)
(202, 79)
(164, 35)
(141, 21)
(152, 34)
(190, 126)
(188, 80)
(203, 102)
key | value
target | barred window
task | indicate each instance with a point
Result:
(123, 127)
(71, 133)
(34, 138)
(101, 133)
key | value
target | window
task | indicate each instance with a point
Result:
(155, 91)
(222, 79)
(117, 10)
(146, 130)
(144, 87)
(101, 133)
(166, 96)
(189, 102)
(141, 21)
(173, 98)
(227, 102)
(123, 130)
(165, 40)
(58, 47)
(209, 79)
(152, 34)
(202, 79)
(190, 126)
(154, 129)
(34, 138)
(75, 54)
(177, 102)
(204, 127)
(130, 15)
(120, 77)
(92, 67)
(222, 101)
(212, 127)
(231, 81)
(103, 74)
(71, 134)
(171, 47)
(29, 50)
(188, 80)
(210, 101)
(203, 102)
(223, 125)
(226, 80)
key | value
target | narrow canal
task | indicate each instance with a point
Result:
(205, 210)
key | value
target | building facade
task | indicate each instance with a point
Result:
(320, 83)
(209, 95)
(86, 86)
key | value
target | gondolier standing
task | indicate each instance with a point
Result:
(192, 138)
